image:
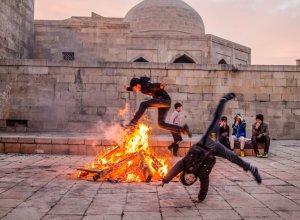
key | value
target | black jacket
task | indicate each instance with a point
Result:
(197, 155)
(152, 89)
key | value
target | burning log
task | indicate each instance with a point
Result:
(131, 162)
(155, 163)
(103, 173)
(145, 169)
(115, 151)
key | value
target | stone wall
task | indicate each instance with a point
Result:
(16, 28)
(75, 97)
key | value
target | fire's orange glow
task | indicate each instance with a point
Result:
(131, 162)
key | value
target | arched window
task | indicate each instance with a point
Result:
(222, 62)
(141, 60)
(184, 59)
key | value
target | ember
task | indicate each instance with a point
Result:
(131, 162)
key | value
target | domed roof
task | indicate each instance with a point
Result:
(164, 16)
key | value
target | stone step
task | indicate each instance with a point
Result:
(80, 144)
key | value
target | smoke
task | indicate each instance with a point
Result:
(113, 132)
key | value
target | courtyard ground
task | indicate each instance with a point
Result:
(41, 186)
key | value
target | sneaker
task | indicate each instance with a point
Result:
(265, 155)
(256, 175)
(258, 154)
(175, 152)
(170, 147)
(228, 96)
(187, 131)
(242, 153)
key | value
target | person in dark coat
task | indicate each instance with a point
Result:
(260, 134)
(224, 131)
(160, 100)
(200, 159)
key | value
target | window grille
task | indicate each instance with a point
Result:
(68, 55)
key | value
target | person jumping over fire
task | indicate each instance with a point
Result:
(161, 100)
(200, 159)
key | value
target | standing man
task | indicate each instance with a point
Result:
(260, 133)
(161, 100)
(175, 120)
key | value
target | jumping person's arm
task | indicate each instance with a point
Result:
(152, 86)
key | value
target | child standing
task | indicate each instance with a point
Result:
(175, 120)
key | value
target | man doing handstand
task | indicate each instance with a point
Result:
(200, 159)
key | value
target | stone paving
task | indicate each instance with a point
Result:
(45, 187)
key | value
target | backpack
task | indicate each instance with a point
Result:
(199, 161)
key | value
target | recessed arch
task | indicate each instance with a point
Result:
(184, 59)
(141, 60)
(222, 61)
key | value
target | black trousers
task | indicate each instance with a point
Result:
(163, 107)
(175, 145)
(265, 139)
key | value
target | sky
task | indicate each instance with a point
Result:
(271, 28)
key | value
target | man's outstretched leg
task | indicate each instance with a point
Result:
(162, 114)
(152, 103)
(218, 113)
(222, 151)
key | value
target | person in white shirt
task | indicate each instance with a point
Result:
(175, 120)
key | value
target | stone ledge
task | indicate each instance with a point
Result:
(127, 65)
(89, 146)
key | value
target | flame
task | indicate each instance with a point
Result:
(134, 161)
(124, 111)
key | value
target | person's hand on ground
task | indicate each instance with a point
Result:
(196, 200)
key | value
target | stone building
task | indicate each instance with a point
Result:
(156, 31)
(75, 76)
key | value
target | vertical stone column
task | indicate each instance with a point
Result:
(17, 27)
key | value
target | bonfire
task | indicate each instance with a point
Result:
(133, 161)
